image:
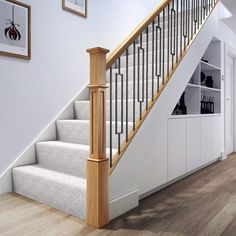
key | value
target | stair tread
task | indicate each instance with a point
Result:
(52, 175)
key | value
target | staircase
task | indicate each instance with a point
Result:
(104, 126)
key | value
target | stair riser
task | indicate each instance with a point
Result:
(66, 160)
(79, 132)
(66, 198)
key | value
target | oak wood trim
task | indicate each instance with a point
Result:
(97, 197)
(145, 113)
(15, 55)
(112, 57)
(97, 164)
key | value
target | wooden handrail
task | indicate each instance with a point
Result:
(117, 52)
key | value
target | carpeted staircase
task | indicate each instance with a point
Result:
(58, 179)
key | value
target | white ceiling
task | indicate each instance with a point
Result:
(230, 21)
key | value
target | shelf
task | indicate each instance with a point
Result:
(196, 90)
(193, 85)
(208, 67)
(206, 89)
(203, 88)
(194, 116)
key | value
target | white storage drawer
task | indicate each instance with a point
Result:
(193, 143)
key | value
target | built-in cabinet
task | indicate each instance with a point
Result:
(193, 142)
(176, 148)
(194, 138)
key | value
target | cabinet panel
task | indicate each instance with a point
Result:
(206, 140)
(176, 148)
(193, 144)
(217, 137)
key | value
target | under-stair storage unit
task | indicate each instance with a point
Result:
(195, 131)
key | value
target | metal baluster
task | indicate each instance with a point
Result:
(195, 17)
(192, 19)
(127, 93)
(188, 21)
(185, 25)
(147, 54)
(201, 10)
(177, 31)
(207, 7)
(204, 9)
(119, 132)
(198, 12)
(181, 28)
(168, 41)
(141, 100)
(163, 58)
(110, 116)
(153, 28)
(158, 48)
(172, 36)
(134, 74)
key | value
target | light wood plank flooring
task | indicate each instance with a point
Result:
(203, 204)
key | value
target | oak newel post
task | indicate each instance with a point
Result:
(98, 163)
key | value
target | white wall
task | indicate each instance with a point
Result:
(33, 92)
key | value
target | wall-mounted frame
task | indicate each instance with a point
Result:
(15, 29)
(78, 7)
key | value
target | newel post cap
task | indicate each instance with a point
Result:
(98, 50)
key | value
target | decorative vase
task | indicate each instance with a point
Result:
(209, 82)
(182, 105)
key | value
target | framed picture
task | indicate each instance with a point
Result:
(15, 29)
(78, 7)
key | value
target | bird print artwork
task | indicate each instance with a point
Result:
(11, 32)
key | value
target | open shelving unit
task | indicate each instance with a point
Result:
(197, 90)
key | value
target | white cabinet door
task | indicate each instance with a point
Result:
(206, 140)
(217, 137)
(176, 148)
(193, 144)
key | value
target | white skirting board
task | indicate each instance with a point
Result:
(155, 190)
(123, 204)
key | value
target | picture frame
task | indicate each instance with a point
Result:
(79, 7)
(15, 29)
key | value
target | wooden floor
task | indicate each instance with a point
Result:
(202, 204)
